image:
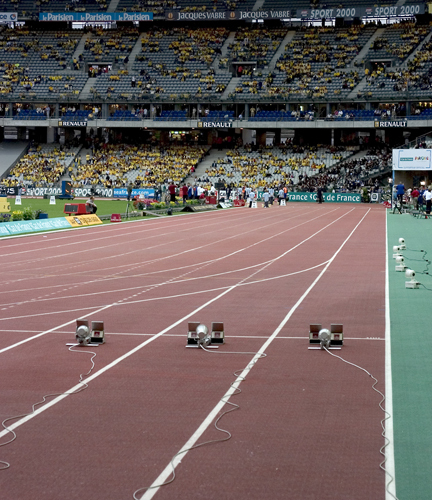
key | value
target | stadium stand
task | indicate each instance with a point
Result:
(42, 166)
(235, 77)
(144, 166)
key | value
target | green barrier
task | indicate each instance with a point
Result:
(31, 226)
(328, 197)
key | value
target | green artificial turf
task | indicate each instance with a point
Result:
(104, 207)
(411, 347)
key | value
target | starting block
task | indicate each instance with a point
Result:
(192, 338)
(217, 335)
(336, 336)
(254, 204)
(116, 218)
(283, 203)
(98, 332)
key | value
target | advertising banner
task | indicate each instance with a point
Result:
(208, 124)
(4, 205)
(327, 197)
(83, 220)
(72, 123)
(31, 226)
(412, 159)
(372, 11)
(122, 193)
(42, 191)
(391, 123)
(97, 17)
(228, 15)
(267, 14)
(8, 17)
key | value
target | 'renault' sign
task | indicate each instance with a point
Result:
(72, 123)
(391, 123)
(221, 124)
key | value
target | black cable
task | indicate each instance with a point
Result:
(423, 259)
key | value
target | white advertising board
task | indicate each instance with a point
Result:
(412, 159)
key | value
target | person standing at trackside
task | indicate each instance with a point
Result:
(320, 194)
(271, 195)
(400, 191)
(415, 193)
(184, 193)
(172, 192)
(251, 197)
(266, 198)
(428, 198)
(420, 201)
(129, 191)
(280, 195)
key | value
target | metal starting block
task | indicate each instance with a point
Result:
(217, 335)
(316, 338)
(97, 333)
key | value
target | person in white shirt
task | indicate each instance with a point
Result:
(428, 197)
(251, 198)
(271, 195)
(280, 195)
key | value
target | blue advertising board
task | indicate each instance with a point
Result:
(122, 193)
(98, 17)
(31, 226)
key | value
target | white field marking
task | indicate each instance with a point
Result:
(50, 330)
(165, 297)
(156, 336)
(127, 267)
(122, 302)
(134, 266)
(131, 267)
(146, 300)
(153, 489)
(176, 281)
(122, 235)
(390, 489)
(130, 334)
(140, 236)
(113, 228)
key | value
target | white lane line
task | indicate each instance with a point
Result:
(131, 334)
(174, 227)
(119, 230)
(50, 330)
(117, 303)
(163, 476)
(136, 349)
(390, 489)
(112, 364)
(183, 281)
(130, 267)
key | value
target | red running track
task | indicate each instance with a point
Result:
(308, 426)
